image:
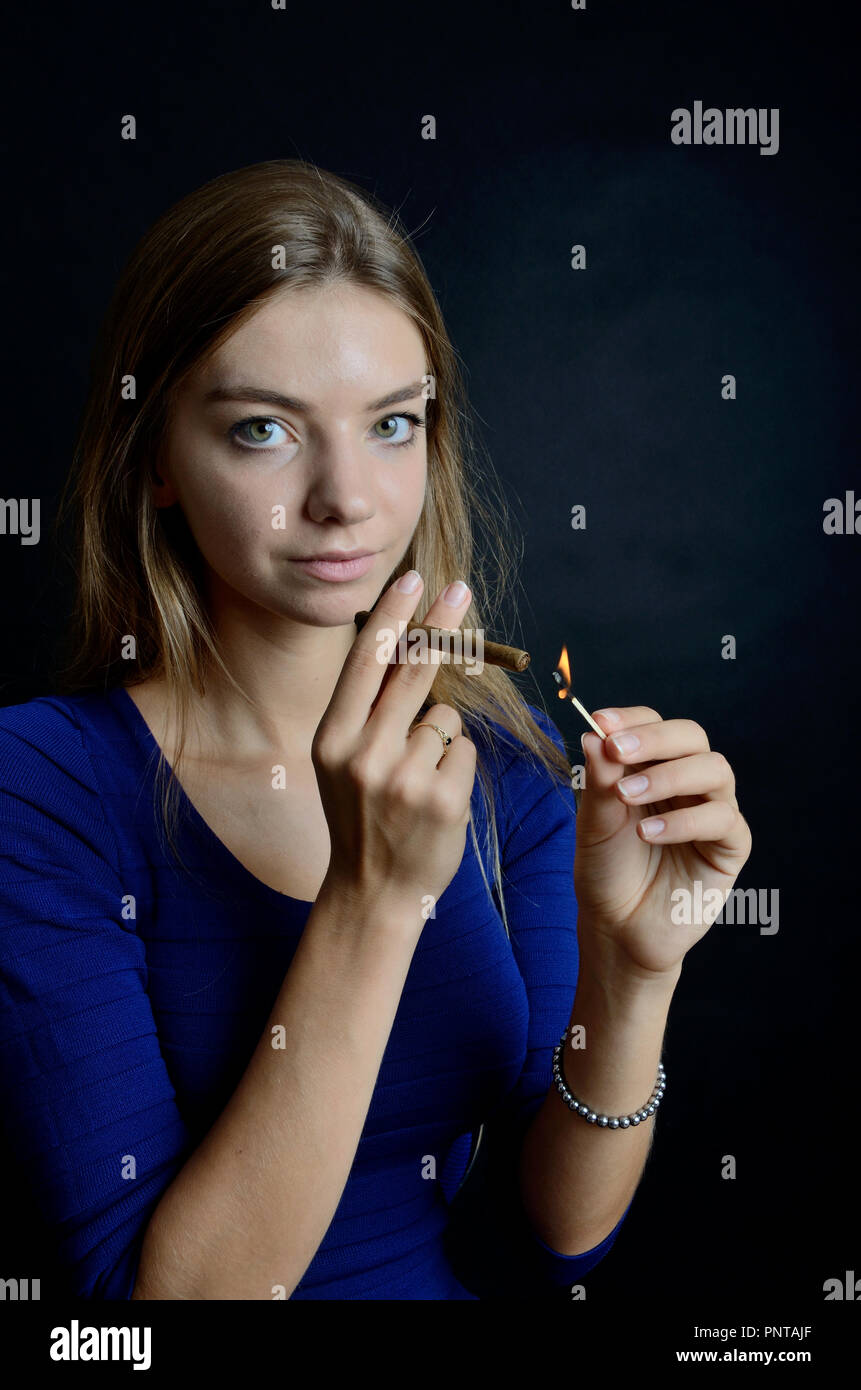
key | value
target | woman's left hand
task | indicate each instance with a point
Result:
(624, 878)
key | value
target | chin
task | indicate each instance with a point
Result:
(330, 607)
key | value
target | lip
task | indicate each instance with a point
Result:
(338, 555)
(338, 565)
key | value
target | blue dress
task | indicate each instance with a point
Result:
(134, 993)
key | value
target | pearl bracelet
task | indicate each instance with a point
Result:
(606, 1122)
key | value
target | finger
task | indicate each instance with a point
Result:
(363, 671)
(409, 682)
(701, 774)
(455, 777)
(624, 717)
(711, 822)
(602, 773)
(421, 748)
(443, 613)
(657, 741)
(437, 781)
(600, 813)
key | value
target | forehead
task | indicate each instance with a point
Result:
(315, 341)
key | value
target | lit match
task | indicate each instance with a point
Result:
(564, 681)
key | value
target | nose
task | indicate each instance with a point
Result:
(340, 481)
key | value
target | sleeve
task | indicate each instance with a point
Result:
(491, 1243)
(89, 1112)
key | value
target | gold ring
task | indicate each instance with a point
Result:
(446, 738)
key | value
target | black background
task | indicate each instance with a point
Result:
(600, 387)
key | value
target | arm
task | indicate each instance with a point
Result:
(630, 865)
(83, 1083)
(495, 1233)
(89, 1110)
(252, 1204)
(577, 1179)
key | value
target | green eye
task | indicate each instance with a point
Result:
(261, 431)
(415, 420)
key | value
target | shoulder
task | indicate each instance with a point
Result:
(524, 787)
(46, 726)
(44, 713)
(53, 820)
(47, 747)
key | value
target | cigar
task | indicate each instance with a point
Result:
(494, 653)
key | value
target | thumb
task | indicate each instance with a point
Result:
(601, 813)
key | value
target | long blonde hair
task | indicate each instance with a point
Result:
(203, 268)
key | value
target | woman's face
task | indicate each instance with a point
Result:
(339, 466)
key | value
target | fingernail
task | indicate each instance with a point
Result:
(455, 593)
(652, 827)
(610, 714)
(633, 786)
(625, 743)
(409, 582)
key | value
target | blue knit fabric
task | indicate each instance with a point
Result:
(133, 994)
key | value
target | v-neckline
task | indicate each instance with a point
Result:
(243, 876)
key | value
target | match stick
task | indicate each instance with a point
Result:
(493, 653)
(573, 698)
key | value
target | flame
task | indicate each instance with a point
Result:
(564, 667)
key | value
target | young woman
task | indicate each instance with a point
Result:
(261, 987)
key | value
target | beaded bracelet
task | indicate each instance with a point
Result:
(617, 1121)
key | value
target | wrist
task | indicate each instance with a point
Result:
(392, 914)
(608, 968)
(616, 1040)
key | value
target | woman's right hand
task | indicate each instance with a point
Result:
(396, 804)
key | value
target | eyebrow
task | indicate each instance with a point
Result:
(245, 392)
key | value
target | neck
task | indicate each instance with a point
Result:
(289, 671)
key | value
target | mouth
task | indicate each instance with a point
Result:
(351, 565)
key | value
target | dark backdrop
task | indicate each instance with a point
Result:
(600, 387)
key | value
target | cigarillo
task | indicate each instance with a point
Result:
(493, 653)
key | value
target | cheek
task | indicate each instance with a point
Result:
(228, 520)
(419, 494)
(404, 493)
